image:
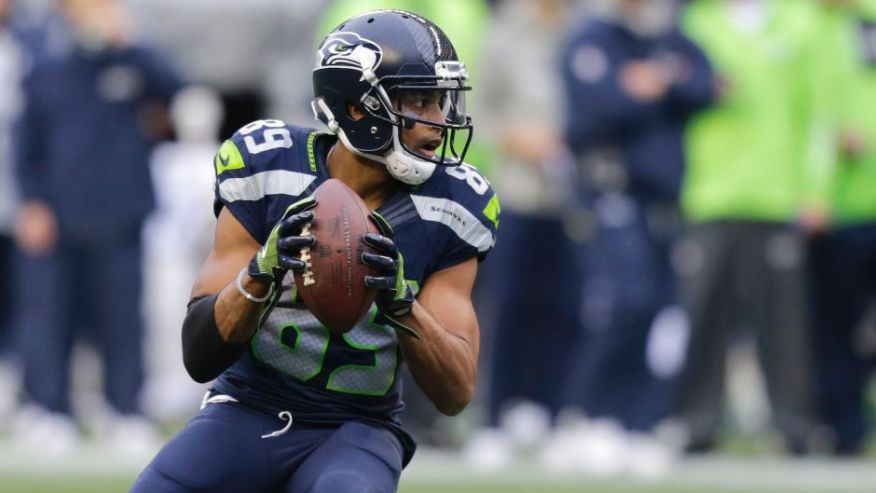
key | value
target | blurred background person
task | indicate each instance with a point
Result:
(752, 191)
(12, 67)
(246, 51)
(22, 36)
(632, 81)
(843, 259)
(92, 114)
(176, 240)
(521, 114)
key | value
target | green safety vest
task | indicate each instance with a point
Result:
(751, 155)
(844, 60)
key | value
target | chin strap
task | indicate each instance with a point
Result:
(406, 168)
(401, 165)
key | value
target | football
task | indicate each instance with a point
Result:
(333, 285)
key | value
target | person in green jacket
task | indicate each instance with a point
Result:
(843, 259)
(754, 186)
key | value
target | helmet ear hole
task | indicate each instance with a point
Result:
(355, 112)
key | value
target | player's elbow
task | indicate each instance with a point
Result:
(198, 371)
(456, 402)
(205, 353)
(451, 409)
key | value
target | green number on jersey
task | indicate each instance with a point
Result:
(304, 358)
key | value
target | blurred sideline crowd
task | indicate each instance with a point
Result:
(687, 247)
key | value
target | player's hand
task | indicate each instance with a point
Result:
(283, 246)
(394, 297)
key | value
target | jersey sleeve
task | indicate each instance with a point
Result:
(256, 174)
(469, 211)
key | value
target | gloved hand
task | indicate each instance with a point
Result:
(394, 296)
(284, 243)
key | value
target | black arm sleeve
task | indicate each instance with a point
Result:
(205, 353)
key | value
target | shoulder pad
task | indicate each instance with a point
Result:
(261, 169)
(463, 200)
(264, 157)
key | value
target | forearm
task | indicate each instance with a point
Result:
(216, 330)
(237, 317)
(694, 92)
(443, 364)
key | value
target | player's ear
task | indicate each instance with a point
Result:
(355, 112)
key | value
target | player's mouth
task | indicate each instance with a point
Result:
(429, 148)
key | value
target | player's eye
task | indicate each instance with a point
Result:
(420, 100)
(416, 100)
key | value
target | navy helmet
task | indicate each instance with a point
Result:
(388, 63)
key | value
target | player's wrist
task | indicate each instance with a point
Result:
(395, 304)
(264, 286)
(260, 268)
(401, 324)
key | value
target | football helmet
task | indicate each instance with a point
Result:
(399, 69)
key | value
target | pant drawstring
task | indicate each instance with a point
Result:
(285, 416)
(216, 399)
(223, 398)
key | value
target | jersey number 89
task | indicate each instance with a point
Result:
(276, 135)
(471, 176)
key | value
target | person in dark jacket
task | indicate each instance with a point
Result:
(632, 81)
(91, 117)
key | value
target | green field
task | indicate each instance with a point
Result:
(444, 472)
(27, 483)
(30, 483)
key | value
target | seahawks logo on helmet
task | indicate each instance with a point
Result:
(348, 49)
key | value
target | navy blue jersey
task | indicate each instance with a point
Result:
(294, 363)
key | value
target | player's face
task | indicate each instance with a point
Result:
(420, 108)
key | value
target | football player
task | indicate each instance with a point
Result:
(293, 406)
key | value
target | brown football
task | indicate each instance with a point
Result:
(333, 285)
